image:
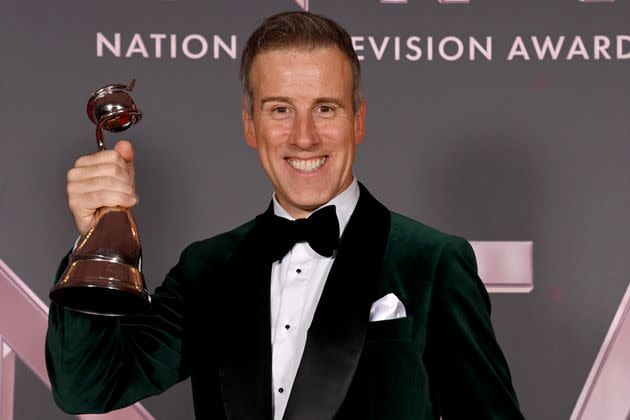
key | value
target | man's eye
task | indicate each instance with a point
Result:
(325, 111)
(280, 109)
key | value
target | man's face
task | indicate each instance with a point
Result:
(303, 125)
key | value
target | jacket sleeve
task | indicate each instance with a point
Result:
(98, 363)
(468, 372)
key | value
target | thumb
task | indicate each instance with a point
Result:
(125, 149)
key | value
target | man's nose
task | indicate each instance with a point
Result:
(305, 134)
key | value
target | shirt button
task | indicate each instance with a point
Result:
(287, 326)
(298, 271)
(281, 390)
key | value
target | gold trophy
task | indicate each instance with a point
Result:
(103, 274)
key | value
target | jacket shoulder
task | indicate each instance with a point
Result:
(410, 238)
(407, 231)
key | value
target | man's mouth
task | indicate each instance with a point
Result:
(307, 165)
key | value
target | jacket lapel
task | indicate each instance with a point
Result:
(337, 334)
(245, 361)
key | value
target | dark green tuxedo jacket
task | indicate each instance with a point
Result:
(211, 321)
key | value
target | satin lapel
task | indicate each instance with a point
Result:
(245, 369)
(337, 334)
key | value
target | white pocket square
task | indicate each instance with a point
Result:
(387, 307)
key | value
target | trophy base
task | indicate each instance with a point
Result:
(84, 288)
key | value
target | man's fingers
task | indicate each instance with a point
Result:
(132, 173)
(105, 156)
(109, 183)
(101, 198)
(125, 149)
(99, 170)
(102, 179)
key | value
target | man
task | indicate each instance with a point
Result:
(354, 313)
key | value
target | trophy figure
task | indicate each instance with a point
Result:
(103, 274)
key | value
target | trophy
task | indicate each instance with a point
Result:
(103, 274)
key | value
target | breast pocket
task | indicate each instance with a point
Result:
(392, 370)
(398, 329)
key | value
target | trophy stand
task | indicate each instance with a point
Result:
(103, 275)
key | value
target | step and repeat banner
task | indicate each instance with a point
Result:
(496, 120)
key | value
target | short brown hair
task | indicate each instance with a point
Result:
(302, 30)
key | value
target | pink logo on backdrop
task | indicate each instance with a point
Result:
(302, 3)
(605, 393)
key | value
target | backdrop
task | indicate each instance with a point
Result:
(494, 120)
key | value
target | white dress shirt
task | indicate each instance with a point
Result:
(297, 282)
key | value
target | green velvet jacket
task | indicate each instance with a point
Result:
(210, 321)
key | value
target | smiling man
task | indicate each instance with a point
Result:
(304, 120)
(325, 306)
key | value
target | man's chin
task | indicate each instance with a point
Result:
(310, 205)
(303, 202)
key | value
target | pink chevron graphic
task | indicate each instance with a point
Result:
(303, 4)
(21, 310)
(605, 394)
(7, 372)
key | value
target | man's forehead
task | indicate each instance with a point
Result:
(304, 75)
(292, 55)
(298, 48)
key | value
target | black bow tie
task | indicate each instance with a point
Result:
(320, 230)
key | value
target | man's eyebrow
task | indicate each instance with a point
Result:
(329, 99)
(320, 100)
(274, 99)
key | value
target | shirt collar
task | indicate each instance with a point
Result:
(344, 203)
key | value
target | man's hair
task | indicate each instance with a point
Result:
(303, 31)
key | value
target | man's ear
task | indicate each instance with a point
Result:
(359, 122)
(248, 128)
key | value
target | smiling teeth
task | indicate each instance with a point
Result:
(307, 165)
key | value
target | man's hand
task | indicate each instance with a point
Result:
(104, 179)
